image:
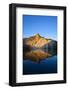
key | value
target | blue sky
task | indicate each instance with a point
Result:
(46, 26)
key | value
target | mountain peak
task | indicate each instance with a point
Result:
(37, 41)
(37, 35)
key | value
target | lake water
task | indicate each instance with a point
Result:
(39, 62)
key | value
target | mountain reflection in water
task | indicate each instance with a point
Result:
(39, 61)
(37, 55)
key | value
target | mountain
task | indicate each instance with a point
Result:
(36, 41)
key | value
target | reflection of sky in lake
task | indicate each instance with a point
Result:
(47, 64)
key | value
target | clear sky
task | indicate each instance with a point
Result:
(46, 26)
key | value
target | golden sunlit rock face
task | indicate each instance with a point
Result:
(36, 55)
(37, 41)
